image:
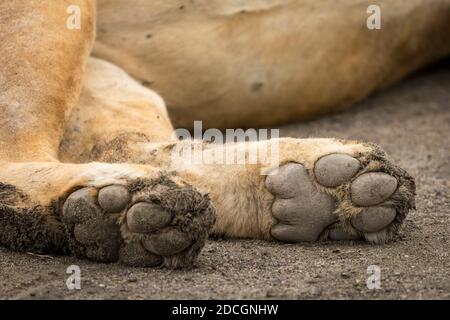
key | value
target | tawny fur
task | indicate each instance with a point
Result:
(63, 114)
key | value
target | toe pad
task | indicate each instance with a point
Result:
(113, 199)
(146, 217)
(335, 169)
(372, 188)
(168, 242)
(373, 219)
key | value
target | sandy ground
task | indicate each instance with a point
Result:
(410, 120)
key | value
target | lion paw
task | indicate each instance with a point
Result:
(142, 223)
(340, 198)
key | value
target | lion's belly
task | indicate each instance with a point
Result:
(231, 63)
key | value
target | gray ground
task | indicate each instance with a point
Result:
(411, 121)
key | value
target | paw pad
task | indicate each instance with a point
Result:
(136, 225)
(335, 169)
(144, 217)
(114, 199)
(373, 219)
(167, 242)
(372, 188)
(304, 212)
(301, 210)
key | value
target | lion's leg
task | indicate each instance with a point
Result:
(109, 212)
(324, 188)
(99, 211)
(41, 70)
(263, 62)
(321, 189)
(38, 86)
(114, 118)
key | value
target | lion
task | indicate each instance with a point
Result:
(88, 114)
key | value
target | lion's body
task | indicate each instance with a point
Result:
(70, 121)
(270, 61)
